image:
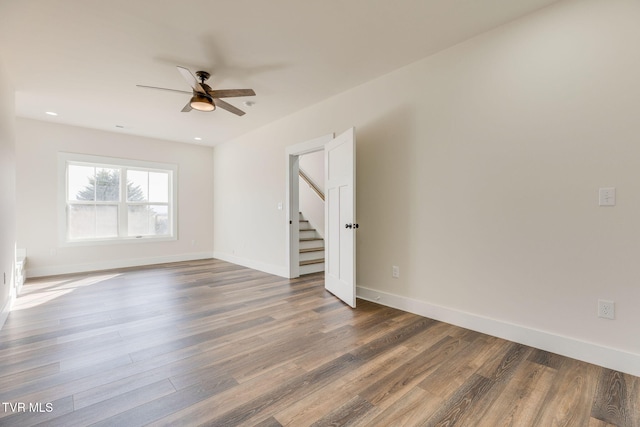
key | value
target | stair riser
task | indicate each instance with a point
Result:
(306, 234)
(311, 268)
(311, 244)
(304, 256)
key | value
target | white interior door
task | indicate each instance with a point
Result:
(340, 214)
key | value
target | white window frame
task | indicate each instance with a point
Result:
(65, 159)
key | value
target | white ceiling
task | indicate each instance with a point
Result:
(83, 58)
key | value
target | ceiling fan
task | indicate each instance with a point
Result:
(203, 97)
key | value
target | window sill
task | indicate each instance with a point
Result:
(117, 241)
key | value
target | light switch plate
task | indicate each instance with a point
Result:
(607, 196)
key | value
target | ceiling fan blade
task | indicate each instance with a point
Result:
(226, 106)
(228, 93)
(191, 79)
(187, 107)
(163, 88)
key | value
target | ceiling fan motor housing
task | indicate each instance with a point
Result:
(203, 75)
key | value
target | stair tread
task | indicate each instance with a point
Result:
(312, 261)
(308, 239)
(320, 248)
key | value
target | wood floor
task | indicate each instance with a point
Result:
(212, 343)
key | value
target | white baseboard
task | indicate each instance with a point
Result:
(6, 309)
(277, 270)
(109, 265)
(566, 346)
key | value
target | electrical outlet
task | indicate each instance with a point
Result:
(395, 272)
(606, 309)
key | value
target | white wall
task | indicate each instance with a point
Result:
(37, 147)
(7, 193)
(478, 172)
(311, 205)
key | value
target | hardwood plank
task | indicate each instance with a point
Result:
(413, 409)
(197, 339)
(114, 389)
(114, 405)
(503, 376)
(612, 402)
(288, 392)
(314, 406)
(409, 374)
(390, 340)
(570, 397)
(158, 408)
(545, 358)
(27, 375)
(202, 412)
(455, 372)
(57, 386)
(522, 398)
(597, 423)
(346, 415)
(457, 407)
(269, 422)
(336, 342)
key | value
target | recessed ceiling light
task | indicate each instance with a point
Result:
(197, 138)
(51, 113)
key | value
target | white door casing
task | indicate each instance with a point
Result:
(340, 214)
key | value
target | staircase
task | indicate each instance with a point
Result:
(311, 248)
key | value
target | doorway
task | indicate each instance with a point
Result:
(340, 213)
(293, 154)
(311, 199)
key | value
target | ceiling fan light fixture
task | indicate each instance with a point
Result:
(202, 103)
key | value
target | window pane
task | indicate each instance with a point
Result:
(89, 183)
(137, 186)
(106, 221)
(107, 184)
(80, 178)
(91, 221)
(148, 221)
(158, 187)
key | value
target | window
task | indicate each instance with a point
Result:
(107, 199)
